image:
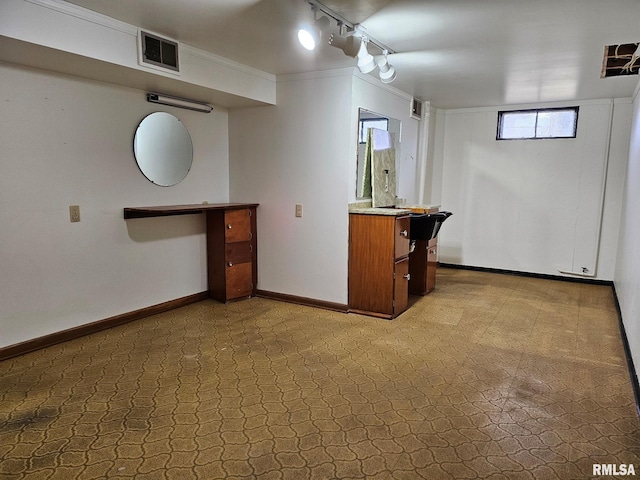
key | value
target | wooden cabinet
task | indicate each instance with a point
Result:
(432, 263)
(378, 264)
(231, 253)
(423, 262)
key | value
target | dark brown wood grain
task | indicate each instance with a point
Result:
(298, 300)
(216, 250)
(237, 225)
(239, 282)
(231, 240)
(191, 209)
(432, 265)
(418, 269)
(231, 253)
(401, 286)
(97, 326)
(376, 242)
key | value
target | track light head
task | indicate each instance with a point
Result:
(386, 72)
(349, 45)
(366, 62)
(309, 35)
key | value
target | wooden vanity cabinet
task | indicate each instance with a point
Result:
(378, 264)
(232, 267)
(423, 262)
(231, 253)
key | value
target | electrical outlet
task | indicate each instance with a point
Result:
(74, 213)
(298, 210)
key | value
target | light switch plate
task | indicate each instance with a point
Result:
(298, 210)
(74, 213)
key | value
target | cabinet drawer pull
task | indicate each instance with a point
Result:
(407, 276)
(228, 226)
(229, 264)
(404, 233)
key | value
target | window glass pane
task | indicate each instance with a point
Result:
(557, 123)
(366, 124)
(518, 125)
(538, 123)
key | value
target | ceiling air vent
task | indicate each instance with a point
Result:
(158, 51)
(621, 60)
(416, 108)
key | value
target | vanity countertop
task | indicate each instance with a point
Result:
(171, 210)
(381, 211)
(423, 208)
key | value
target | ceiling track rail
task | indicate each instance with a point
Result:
(352, 27)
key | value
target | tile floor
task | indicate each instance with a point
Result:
(490, 376)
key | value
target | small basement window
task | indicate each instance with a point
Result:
(538, 123)
(367, 123)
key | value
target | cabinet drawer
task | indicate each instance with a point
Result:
(237, 224)
(239, 280)
(402, 226)
(238, 252)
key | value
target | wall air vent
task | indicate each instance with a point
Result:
(621, 60)
(158, 51)
(416, 108)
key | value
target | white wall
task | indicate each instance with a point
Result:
(68, 141)
(614, 189)
(532, 206)
(627, 276)
(56, 26)
(298, 152)
(435, 157)
(304, 151)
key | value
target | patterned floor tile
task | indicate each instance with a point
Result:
(490, 376)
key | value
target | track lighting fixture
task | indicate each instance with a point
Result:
(349, 45)
(386, 72)
(353, 44)
(366, 62)
(310, 35)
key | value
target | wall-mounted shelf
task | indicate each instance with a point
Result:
(170, 210)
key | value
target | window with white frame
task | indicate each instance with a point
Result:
(538, 123)
(367, 123)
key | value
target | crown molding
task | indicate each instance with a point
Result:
(70, 9)
(217, 59)
(338, 72)
(384, 86)
(86, 14)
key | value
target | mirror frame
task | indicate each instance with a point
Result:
(163, 149)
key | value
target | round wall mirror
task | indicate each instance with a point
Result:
(163, 149)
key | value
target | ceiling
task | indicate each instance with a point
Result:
(454, 53)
